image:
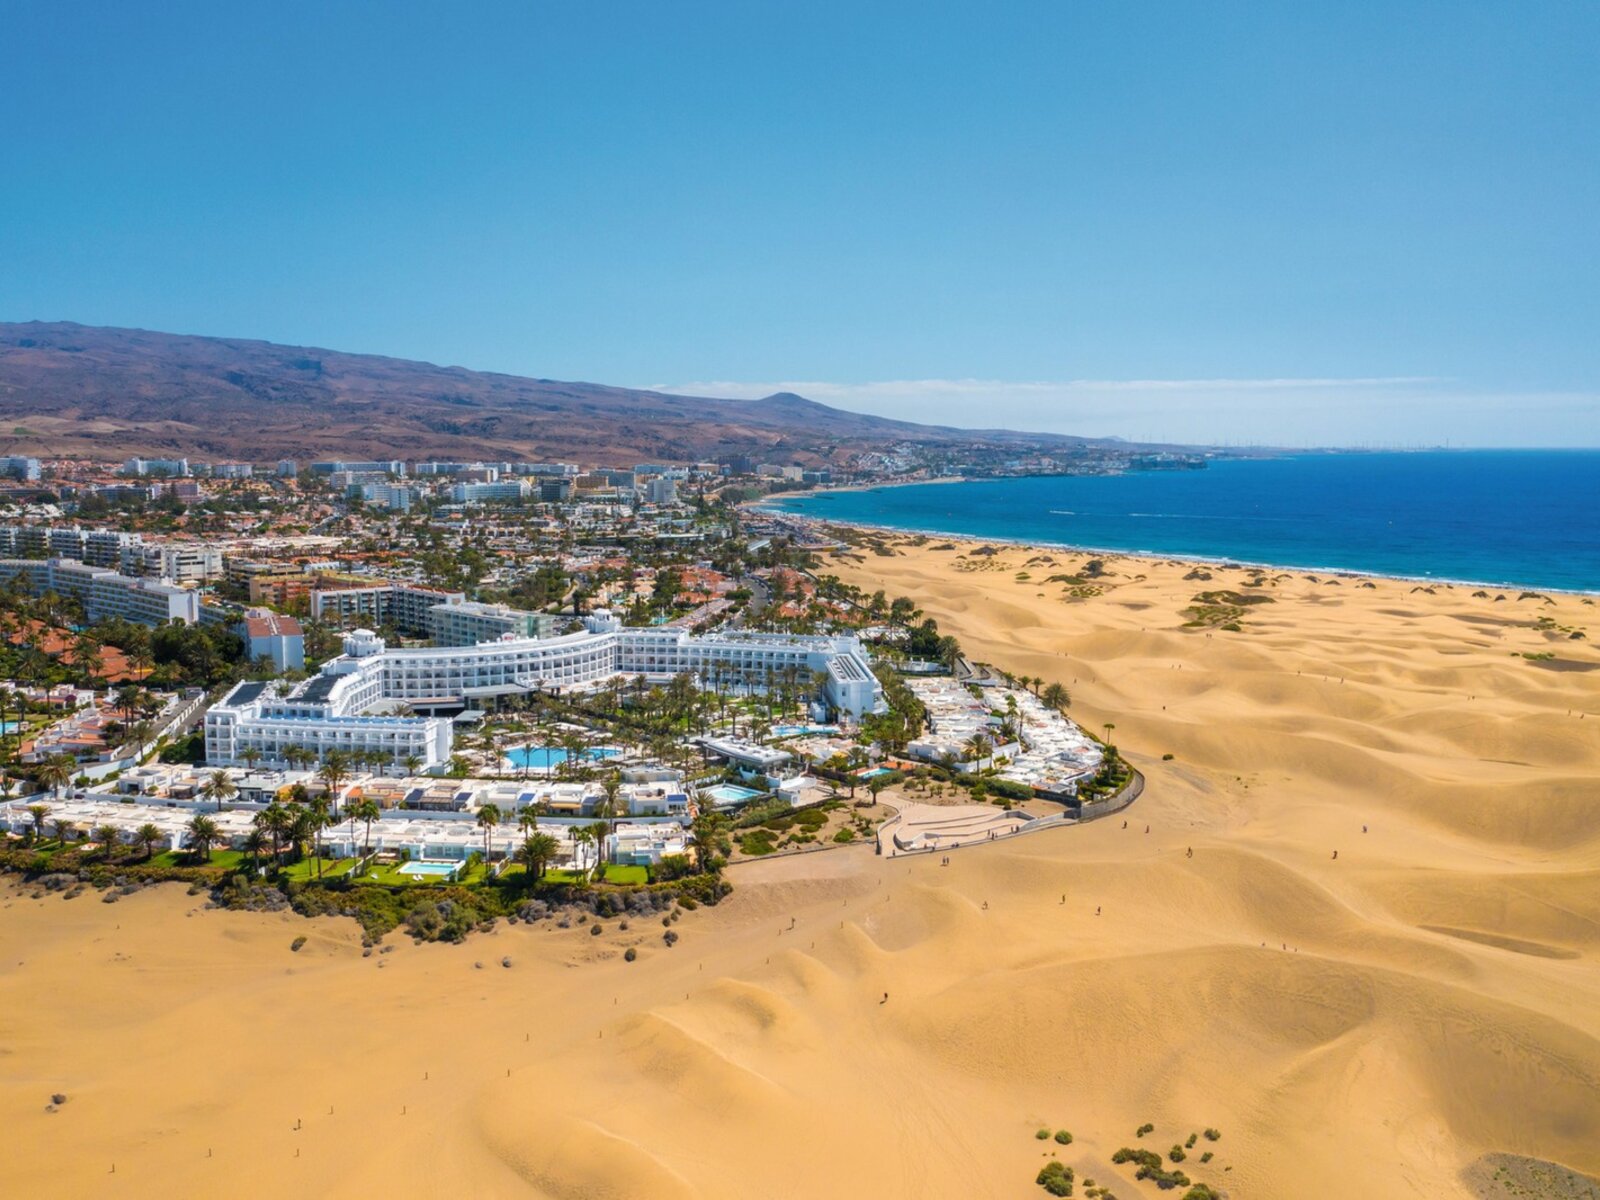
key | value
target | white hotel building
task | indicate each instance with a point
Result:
(324, 712)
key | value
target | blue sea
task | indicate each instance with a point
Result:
(1527, 518)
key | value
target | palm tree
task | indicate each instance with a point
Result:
(537, 852)
(318, 818)
(710, 830)
(251, 756)
(254, 843)
(412, 763)
(1057, 697)
(367, 810)
(334, 772)
(218, 788)
(56, 772)
(977, 746)
(107, 836)
(598, 835)
(277, 821)
(303, 828)
(147, 837)
(203, 833)
(609, 807)
(37, 813)
(488, 818)
(528, 818)
(140, 732)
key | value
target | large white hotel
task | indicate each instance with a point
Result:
(326, 712)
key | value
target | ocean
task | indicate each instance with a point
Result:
(1524, 518)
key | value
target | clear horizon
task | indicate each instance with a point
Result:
(1236, 225)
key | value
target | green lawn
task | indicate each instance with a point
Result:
(306, 868)
(229, 859)
(614, 874)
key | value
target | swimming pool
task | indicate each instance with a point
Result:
(796, 730)
(546, 758)
(869, 772)
(9, 727)
(430, 869)
(727, 793)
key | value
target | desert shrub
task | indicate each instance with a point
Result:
(425, 921)
(1143, 1129)
(1213, 1135)
(1166, 758)
(629, 954)
(845, 835)
(1176, 1154)
(1206, 1157)
(1145, 1158)
(1063, 1137)
(1042, 1134)
(1055, 1178)
(670, 937)
(298, 942)
(596, 929)
(1201, 1192)
(1162, 1178)
(1189, 1145)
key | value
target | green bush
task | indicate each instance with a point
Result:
(1042, 1134)
(1143, 1129)
(298, 942)
(1145, 1158)
(1176, 1154)
(1213, 1135)
(1206, 1157)
(1010, 789)
(1162, 1178)
(1201, 1192)
(1063, 1137)
(1055, 1178)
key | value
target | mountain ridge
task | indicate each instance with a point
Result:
(71, 390)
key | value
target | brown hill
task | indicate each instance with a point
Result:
(76, 390)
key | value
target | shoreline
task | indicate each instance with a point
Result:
(1157, 556)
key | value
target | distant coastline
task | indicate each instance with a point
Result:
(1518, 520)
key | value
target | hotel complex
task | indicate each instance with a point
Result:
(104, 593)
(326, 712)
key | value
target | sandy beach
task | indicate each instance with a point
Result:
(1374, 1023)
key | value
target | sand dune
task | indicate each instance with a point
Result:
(1367, 1026)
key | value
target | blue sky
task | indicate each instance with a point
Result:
(1354, 224)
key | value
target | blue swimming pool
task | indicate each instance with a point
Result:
(727, 793)
(796, 730)
(430, 869)
(546, 758)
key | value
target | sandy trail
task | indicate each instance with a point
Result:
(1369, 1025)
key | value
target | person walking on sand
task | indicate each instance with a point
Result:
(1335, 856)
(1189, 853)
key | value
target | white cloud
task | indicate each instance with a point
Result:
(1315, 411)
